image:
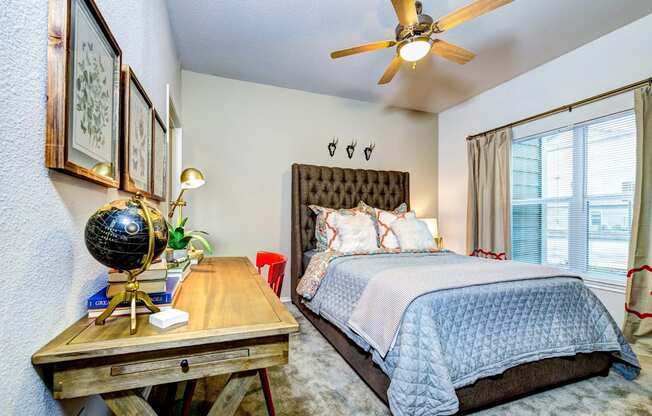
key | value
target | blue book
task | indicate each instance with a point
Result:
(101, 301)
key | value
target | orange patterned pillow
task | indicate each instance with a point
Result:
(386, 236)
(384, 220)
(325, 230)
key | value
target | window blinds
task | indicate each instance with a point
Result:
(572, 193)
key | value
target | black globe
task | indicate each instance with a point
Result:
(117, 234)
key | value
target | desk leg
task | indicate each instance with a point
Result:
(234, 391)
(187, 397)
(127, 403)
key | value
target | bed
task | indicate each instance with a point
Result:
(344, 188)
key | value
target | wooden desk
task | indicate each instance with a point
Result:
(236, 325)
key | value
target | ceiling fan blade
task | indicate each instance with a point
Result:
(406, 11)
(391, 70)
(451, 52)
(473, 10)
(363, 48)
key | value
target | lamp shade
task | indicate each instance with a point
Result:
(191, 178)
(104, 169)
(432, 226)
(414, 49)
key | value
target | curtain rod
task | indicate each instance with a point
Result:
(570, 107)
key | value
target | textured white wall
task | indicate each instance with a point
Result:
(616, 59)
(245, 136)
(47, 272)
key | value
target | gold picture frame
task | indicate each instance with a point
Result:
(159, 158)
(83, 93)
(137, 135)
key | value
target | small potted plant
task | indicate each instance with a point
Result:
(179, 239)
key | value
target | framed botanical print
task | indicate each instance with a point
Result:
(159, 158)
(83, 105)
(137, 133)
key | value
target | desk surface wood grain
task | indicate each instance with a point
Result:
(227, 301)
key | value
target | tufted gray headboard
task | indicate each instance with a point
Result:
(337, 188)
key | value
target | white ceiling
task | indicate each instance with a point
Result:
(287, 43)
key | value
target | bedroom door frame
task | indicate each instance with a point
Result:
(175, 146)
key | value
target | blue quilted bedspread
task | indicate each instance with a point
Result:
(451, 338)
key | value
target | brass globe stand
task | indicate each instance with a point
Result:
(131, 293)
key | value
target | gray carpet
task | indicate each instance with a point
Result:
(317, 381)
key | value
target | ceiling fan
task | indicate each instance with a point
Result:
(414, 35)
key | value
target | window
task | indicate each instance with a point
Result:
(572, 194)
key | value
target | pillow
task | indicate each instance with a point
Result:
(413, 234)
(371, 210)
(384, 220)
(354, 233)
(324, 227)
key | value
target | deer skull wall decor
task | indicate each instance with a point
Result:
(351, 148)
(368, 150)
(332, 146)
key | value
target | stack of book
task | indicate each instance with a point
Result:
(181, 270)
(152, 280)
(162, 289)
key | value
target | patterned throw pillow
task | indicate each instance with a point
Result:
(384, 220)
(386, 236)
(325, 231)
(372, 211)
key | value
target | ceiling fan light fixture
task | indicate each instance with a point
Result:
(415, 48)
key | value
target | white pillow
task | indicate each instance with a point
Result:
(413, 234)
(354, 233)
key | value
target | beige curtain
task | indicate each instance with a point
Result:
(638, 301)
(488, 225)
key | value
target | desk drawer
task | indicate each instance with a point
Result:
(183, 362)
(152, 368)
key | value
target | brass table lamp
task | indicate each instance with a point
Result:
(190, 178)
(103, 169)
(434, 230)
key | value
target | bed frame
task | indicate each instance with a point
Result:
(344, 188)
